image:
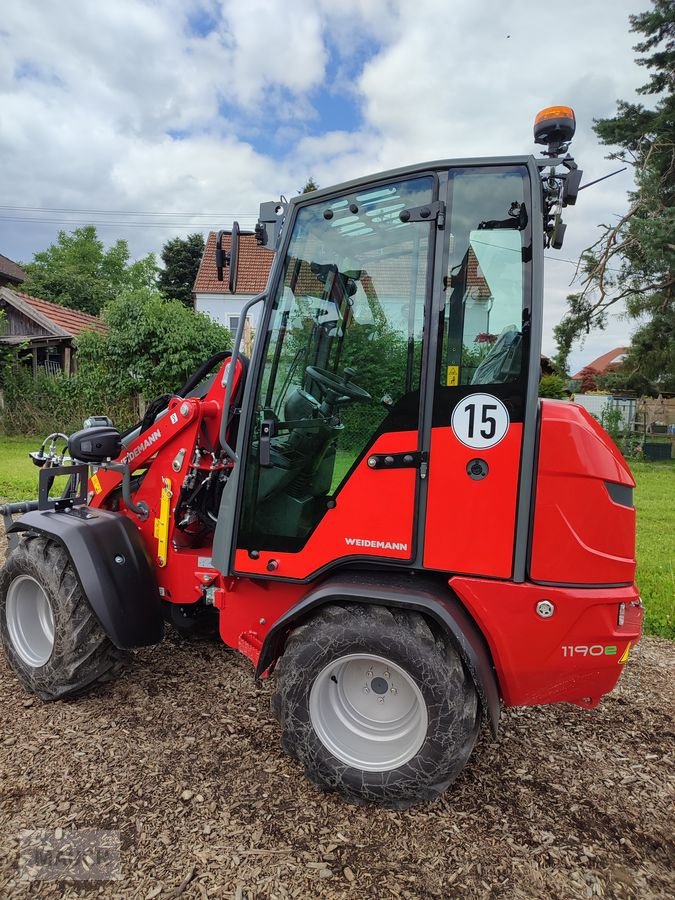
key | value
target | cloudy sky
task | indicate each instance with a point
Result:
(156, 118)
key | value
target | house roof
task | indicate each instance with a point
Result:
(59, 320)
(603, 363)
(9, 270)
(253, 267)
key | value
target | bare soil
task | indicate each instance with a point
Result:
(182, 757)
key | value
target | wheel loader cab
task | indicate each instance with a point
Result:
(392, 301)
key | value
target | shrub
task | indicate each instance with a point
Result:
(57, 403)
(152, 347)
(611, 420)
(552, 386)
(153, 344)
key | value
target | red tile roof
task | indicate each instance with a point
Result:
(384, 277)
(9, 271)
(252, 271)
(475, 280)
(603, 363)
(71, 321)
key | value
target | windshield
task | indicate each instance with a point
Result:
(343, 351)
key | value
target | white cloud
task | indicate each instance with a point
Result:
(272, 44)
(90, 95)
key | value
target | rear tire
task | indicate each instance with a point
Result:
(51, 637)
(375, 706)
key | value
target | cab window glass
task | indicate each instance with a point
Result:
(485, 284)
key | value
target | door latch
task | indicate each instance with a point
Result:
(268, 429)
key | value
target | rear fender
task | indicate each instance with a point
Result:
(416, 594)
(112, 566)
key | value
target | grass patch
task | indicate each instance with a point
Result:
(18, 475)
(655, 505)
(654, 500)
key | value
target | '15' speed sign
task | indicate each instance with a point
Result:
(480, 421)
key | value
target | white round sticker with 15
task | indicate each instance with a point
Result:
(480, 421)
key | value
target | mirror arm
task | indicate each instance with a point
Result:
(225, 419)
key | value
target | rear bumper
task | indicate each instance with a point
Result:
(574, 656)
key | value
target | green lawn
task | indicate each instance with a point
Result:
(654, 499)
(18, 475)
(655, 504)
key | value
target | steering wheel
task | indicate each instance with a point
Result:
(341, 387)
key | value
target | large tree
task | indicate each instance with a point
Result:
(181, 258)
(633, 262)
(77, 271)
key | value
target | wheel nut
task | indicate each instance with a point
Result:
(394, 691)
(366, 690)
(387, 674)
(380, 699)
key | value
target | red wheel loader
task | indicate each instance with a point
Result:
(376, 508)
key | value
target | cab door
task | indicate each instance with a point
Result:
(480, 378)
(331, 461)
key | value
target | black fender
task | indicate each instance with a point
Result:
(424, 595)
(112, 566)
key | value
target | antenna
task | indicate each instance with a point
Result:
(597, 180)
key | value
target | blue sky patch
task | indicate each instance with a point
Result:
(27, 70)
(282, 119)
(201, 22)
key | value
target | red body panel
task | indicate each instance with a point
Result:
(248, 609)
(374, 506)
(470, 524)
(576, 655)
(580, 535)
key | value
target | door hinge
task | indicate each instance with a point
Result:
(410, 459)
(429, 212)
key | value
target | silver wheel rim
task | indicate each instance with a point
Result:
(368, 712)
(30, 621)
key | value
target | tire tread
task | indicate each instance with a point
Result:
(83, 655)
(380, 630)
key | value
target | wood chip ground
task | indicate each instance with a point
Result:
(182, 757)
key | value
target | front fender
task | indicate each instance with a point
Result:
(405, 592)
(112, 566)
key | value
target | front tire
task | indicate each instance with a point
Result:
(51, 637)
(375, 706)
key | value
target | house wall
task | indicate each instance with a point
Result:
(225, 307)
(18, 325)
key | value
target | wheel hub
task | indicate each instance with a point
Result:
(368, 712)
(30, 621)
(379, 685)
